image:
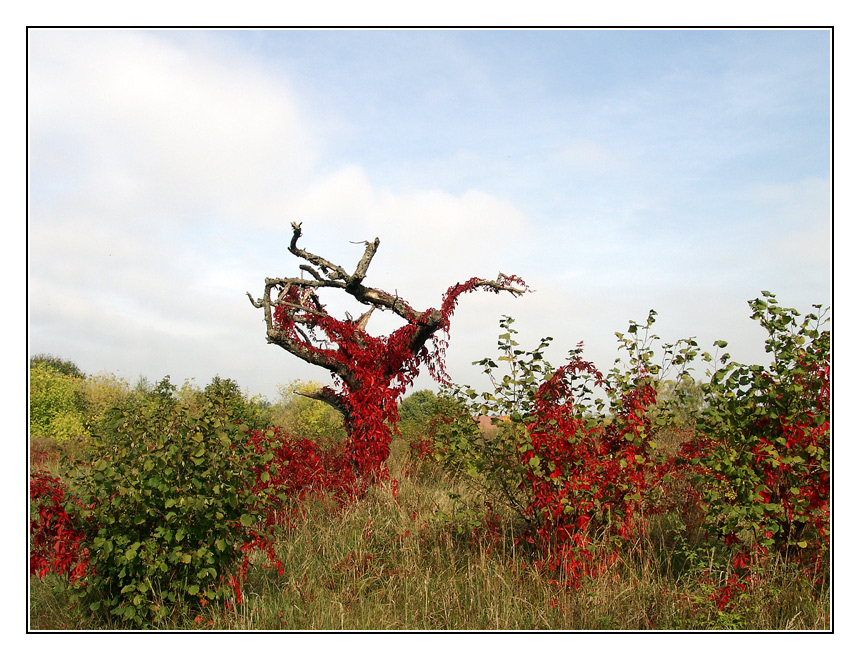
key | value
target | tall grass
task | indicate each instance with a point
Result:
(389, 564)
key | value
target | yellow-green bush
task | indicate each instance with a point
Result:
(305, 417)
(57, 403)
(102, 392)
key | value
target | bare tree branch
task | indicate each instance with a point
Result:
(328, 396)
(361, 324)
(310, 270)
(364, 263)
(323, 264)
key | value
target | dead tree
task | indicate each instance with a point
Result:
(371, 372)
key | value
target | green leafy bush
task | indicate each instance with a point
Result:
(239, 406)
(762, 457)
(744, 457)
(102, 392)
(490, 462)
(168, 507)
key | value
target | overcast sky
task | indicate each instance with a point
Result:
(615, 171)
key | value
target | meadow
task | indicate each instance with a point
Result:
(672, 505)
(386, 564)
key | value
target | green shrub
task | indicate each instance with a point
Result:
(57, 403)
(102, 392)
(418, 408)
(240, 407)
(490, 462)
(169, 507)
(763, 455)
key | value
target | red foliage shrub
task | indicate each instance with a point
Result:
(56, 539)
(299, 467)
(588, 479)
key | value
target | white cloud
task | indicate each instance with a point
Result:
(796, 242)
(147, 161)
(341, 197)
(136, 119)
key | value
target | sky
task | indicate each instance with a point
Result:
(615, 171)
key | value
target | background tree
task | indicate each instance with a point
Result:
(417, 413)
(225, 393)
(371, 373)
(57, 401)
(104, 392)
(419, 407)
(58, 364)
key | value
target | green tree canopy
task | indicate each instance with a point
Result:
(57, 403)
(419, 407)
(58, 364)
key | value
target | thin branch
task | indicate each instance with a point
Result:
(307, 339)
(287, 282)
(301, 308)
(316, 260)
(256, 303)
(310, 270)
(499, 286)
